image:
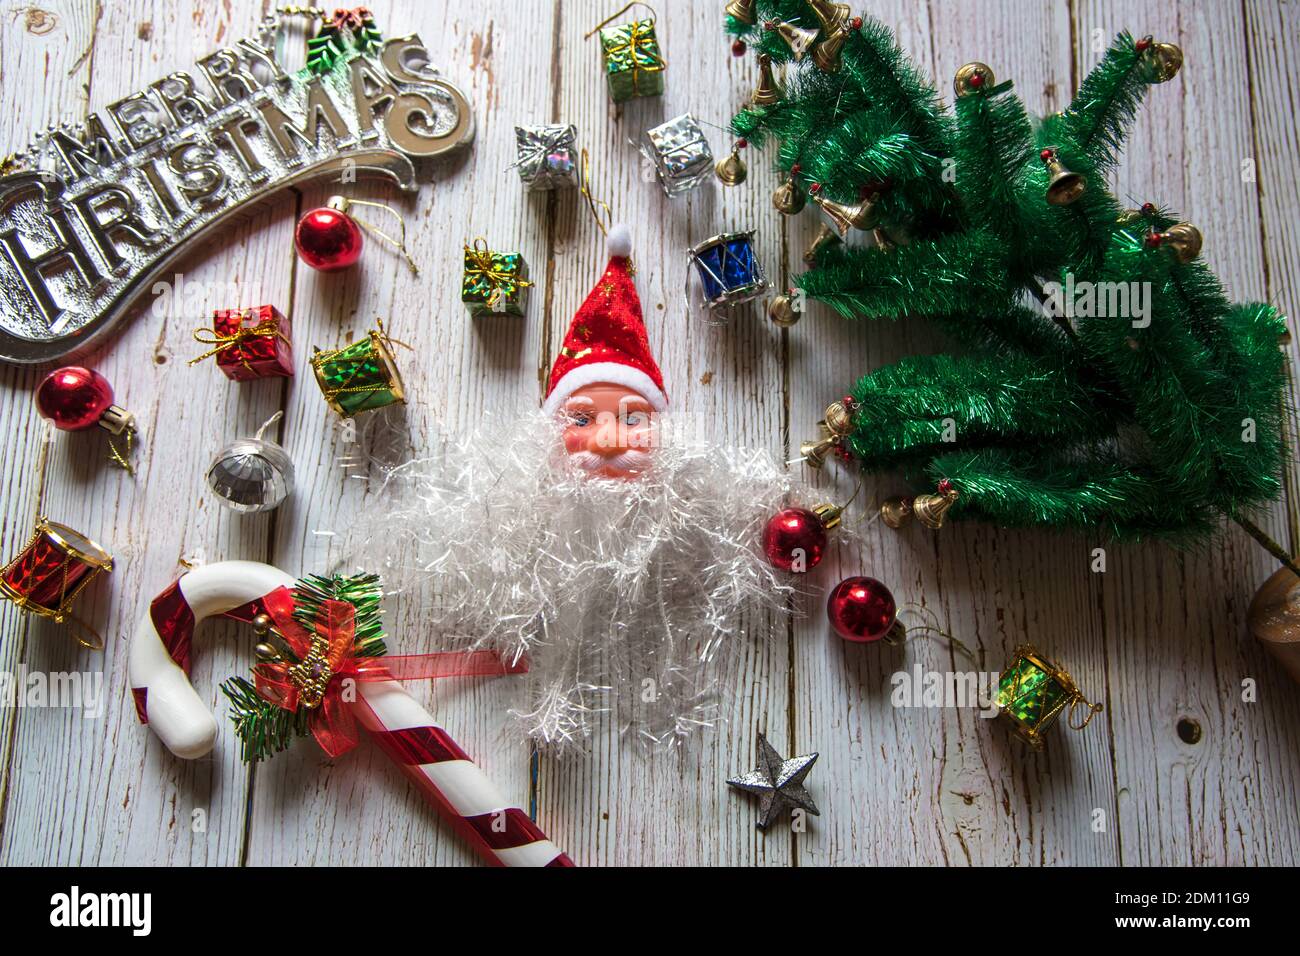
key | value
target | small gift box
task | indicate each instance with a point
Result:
(548, 156)
(634, 66)
(249, 343)
(680, 154)
(494, 281)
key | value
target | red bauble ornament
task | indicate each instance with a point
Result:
(738, 48)
(328, 238)
(794, 539)
(862, 610)
(74, 398)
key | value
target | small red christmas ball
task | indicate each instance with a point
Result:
(74, 398)
(794, 540)
(976, 80)
(861, 610)
(327, 239)
(738, 48)
(1148, 209)
(1154, 240)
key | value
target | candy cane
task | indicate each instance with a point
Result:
(166, 700)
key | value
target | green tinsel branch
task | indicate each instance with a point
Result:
(263, 728)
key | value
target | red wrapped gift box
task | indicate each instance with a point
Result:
(252, 343)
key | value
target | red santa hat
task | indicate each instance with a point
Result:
(606, 341)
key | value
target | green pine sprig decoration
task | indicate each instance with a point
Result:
(263, 728)
(324, 50)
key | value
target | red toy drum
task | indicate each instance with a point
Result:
(51, 570)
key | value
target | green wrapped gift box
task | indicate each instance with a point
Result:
(494, 282)
(633, 63)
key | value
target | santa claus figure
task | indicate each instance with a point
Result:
(605, 386)
(590, 538)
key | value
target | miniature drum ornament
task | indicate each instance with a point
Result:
(728, 269)
(55, 565)
(359, 378)
(1033, 692)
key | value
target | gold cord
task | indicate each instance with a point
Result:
(614, 16)
(398, 244)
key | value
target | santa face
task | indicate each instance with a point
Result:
(608, 430)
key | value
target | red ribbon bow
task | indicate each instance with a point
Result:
(353, 19)
(339, 668)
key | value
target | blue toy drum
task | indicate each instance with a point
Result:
(728, 269)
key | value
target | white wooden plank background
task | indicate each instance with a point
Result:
(1158, 638)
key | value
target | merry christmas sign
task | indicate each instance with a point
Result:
(92, 215)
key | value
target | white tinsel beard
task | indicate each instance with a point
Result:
(623, 594)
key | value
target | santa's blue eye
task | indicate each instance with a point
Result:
(582, 421)
(632, 420)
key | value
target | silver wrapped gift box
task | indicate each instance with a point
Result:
(680, 154)
(548, 156)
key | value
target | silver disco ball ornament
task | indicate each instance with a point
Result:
(251, 475)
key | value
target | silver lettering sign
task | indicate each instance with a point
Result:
(90, 217)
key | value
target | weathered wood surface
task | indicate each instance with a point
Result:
(1158, 638)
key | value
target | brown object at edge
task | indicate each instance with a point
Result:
(1274, 619)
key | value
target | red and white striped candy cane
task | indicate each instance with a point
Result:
(166, 700)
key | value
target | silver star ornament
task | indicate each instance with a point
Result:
(778, 782)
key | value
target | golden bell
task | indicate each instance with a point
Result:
(782, 312)
(798, 39)
(768, 92)
(931, 510)
(788, 198)
(833, 17)
(1184, 239)
(266, 652)
(962, 83)
(896, 511)
(261, 624)
(1065, 186)
(1165, 59)
(828, 515)
(825, 237)
(815, 452)
(861, 215)
(743, 11)
(732, 169)
(828, 55)
(837, 418)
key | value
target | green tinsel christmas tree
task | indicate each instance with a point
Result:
(1056, 411)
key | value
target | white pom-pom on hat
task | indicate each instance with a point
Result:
(620, 241)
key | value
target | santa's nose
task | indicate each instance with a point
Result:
(609, 438)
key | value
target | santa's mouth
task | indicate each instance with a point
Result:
(624, 463)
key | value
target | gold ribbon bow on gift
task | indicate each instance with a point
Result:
(638, 31)
(481, 264)
(220, 341)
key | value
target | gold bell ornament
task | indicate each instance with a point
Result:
(833, 17)
(836, 423)
(828, 55)
(742, 11)
(861, 215)
(799, 39)
(788, 198)
(768, 91)
(929, 510)
(826, 236)
(1183, 238)
(781, 310)
(1064, 186)
(971, 78)
(1163, 60)
(731, 169)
